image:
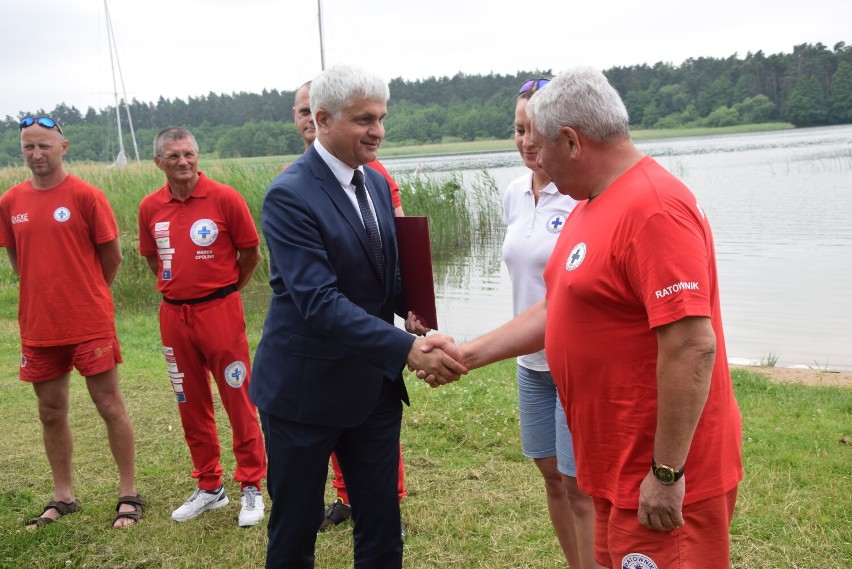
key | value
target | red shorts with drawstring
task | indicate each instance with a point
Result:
(621, 542)
(46, 363)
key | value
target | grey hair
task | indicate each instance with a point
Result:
(171, 134)
(337, 87)
(583, 99)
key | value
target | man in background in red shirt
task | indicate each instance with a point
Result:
(200, 240)
(62, 240)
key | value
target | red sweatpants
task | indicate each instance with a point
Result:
(210, 338)
(340, 484)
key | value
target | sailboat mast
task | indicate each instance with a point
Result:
(322, 47)
(121, 159)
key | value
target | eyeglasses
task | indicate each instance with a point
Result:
(533, 85)
(45, 122)
(189, 155)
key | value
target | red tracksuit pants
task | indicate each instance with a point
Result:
(340, 485)
(198, 340)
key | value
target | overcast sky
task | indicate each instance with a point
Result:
(56, 51)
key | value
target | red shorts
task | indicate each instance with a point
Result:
(621, 542)
(46, 363)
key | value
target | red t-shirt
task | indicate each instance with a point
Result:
(638, 256)
(196, 240)
(64, 298)
(394, 187)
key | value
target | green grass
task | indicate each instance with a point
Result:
(474, 501)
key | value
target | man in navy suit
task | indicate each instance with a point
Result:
(327, 374)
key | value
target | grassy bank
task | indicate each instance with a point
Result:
(474, 501)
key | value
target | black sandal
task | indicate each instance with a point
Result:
(138, 509)
(64, 508)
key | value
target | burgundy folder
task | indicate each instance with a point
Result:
(415, 267)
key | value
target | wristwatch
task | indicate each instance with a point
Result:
(666, 474)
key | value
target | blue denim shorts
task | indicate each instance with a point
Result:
(544, 429)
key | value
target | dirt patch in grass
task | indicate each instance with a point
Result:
(807, 376)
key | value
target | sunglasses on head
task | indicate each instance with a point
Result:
(533, 85)
(45, 122)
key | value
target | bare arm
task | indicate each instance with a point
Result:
(153, 263)
(522, 335)
(109, 254)
(13, 258)
(686, 352)
(248, 261)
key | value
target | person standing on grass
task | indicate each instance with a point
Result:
(339, 510)
(632, 327)
(328, 369)
(200, 241)
(534, 213)
(62, 240)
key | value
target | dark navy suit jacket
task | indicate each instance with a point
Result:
(328, 340)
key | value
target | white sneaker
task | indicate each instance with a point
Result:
(200, 502)
(252, 510)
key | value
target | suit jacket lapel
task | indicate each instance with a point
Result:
(331, 187)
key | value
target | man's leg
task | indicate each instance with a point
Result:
(369, 458)
(191, 380)
(56, 433)
(298, 465)
(105, 393)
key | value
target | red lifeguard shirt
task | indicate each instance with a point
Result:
(638, 256)
(196, 240)
(394, 187)
(64, 298)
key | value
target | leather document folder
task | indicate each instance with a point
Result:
(415, 267)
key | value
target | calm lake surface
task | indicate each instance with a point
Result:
(780, 206)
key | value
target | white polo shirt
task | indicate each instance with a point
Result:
(531, 233)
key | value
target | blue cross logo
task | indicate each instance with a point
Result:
(204, 232)
(236, 373)
(576, 256)
(555, 223)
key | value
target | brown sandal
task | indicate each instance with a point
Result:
(138, 509)
(63, 508)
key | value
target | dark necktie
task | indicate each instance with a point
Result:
(369, 220)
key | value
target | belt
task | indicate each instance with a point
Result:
(221, 293)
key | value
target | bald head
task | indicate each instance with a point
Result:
(43, 149)
(302, 114)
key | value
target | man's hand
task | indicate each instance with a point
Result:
(447, 345)
(435, 362)
(413, 325)
(660, 505)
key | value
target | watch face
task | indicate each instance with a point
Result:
(664, 474)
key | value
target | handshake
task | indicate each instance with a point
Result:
(436, 359)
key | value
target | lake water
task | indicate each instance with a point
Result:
(780, 206)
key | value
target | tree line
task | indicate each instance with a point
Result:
(811, 86)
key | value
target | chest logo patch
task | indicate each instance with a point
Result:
(204, 232)
(556, 222)
(62, 214)
(575, 259)
(637, 561)
(235, 374)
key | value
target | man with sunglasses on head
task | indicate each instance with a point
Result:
(62, 240)
(200, 240)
